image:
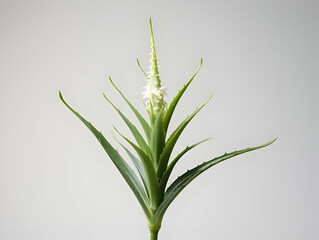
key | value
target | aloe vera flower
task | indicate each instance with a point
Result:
(154, 92)
(152, 158)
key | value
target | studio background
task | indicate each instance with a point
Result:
(260, 61)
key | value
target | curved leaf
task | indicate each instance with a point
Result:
(137, 163)
(138, 137)
(181, 182)
(170, 143)
(172, 106)
(173, 163)
(138, 63)
(119, 162)
(142, 121)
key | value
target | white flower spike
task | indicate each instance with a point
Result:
(154, 92)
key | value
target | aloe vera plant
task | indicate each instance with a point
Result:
(153, 161)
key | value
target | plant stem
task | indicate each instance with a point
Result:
(153, 235)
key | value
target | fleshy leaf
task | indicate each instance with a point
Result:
(158, 138)
(138, 137)
(172, 106)
(173, 163)
(152, 183)
(181, 182)
(137, 163)
(127, 173)
(170, 143)
(142, 121)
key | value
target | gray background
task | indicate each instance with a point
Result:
(261, 61)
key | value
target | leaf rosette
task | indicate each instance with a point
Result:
(153, 159)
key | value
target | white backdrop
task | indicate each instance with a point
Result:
(260, 60)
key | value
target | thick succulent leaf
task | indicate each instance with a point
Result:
(127, 173)
(170, 143)
(152, 182)
(137, 163)
(137, 135)
(142, 121)
(172, 106)
(181, 182)
(170, 167)
(138, 63)
(158, 138)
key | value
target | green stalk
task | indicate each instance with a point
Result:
(153, 234)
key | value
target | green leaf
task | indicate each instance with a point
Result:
(172, 106)
(181, 182)
(142, 121)
(170, 143)
(127, 173)
(138, 63)
(137, 163)
(151, 115)
(138, 137)
(158, 138)
(152, 183)
(173, 163)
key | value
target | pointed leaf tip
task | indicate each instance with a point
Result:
(138, 63)
(271, 142)
(119, 162)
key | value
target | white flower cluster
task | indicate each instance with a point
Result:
(154, 96)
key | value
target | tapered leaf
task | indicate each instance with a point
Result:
(170, 143)
(138, 137)
(127, 173)
(172, 106)
(137, 163)
(152, 183)
(181, 182)
(138, 63)
(173, 163)
(142, 121)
